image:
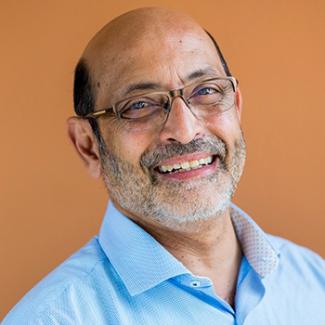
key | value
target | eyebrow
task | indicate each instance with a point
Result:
(209, 72)
(156, 86)
(142, 86)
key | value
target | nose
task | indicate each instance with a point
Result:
(181, 124)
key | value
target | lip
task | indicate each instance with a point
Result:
(188, 157)
(193, 173)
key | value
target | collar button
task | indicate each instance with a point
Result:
(195, 284)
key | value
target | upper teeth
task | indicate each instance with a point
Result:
(187, 165)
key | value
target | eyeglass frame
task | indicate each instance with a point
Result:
(172, 94)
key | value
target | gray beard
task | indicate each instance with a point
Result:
(137, 190)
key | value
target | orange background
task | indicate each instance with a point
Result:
(49, 206)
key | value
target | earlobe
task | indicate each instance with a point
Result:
(83, 139)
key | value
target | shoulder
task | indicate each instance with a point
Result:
(299, 260)
(65, 287)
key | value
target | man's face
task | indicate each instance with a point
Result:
(132, 161)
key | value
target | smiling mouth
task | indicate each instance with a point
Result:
(186, 166)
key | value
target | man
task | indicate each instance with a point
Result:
(159, 119)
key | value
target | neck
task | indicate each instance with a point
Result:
(207, 248)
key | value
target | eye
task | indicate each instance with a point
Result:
(140, 107)
(206, 91)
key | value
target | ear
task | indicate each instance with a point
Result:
(84, 141)
(239, 103)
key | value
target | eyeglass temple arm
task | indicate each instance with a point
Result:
(96, 114)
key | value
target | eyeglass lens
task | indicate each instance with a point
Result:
(150, 111)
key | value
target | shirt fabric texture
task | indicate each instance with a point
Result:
(124, 276)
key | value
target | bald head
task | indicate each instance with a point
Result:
(133, 26)
(146, 35)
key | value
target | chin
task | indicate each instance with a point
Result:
(181, 206)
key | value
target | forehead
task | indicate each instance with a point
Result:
(166, 59)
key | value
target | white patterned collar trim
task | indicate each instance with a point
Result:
(259, 252)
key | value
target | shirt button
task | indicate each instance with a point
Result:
(195, 283)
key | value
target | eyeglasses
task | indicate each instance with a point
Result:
(204, 98)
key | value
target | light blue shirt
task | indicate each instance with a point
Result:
(124, 276)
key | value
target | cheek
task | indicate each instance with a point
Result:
(226, 126)
(129, 146)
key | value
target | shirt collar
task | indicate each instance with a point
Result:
(142, 263)
(260, 250)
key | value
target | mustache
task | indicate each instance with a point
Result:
(152, 158)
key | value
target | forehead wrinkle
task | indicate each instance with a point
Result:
(152, 85)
